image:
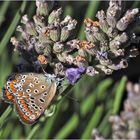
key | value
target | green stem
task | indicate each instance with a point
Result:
(3, 10)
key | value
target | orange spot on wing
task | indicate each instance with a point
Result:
(8, 97)
(12, 87)
(19, 93)
(22, 116)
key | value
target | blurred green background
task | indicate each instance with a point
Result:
(88, 105)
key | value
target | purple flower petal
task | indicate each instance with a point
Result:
(73, 74)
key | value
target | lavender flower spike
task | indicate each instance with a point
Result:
(73, 74)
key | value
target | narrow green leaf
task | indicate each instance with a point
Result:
(3, 10)
(86, 105)
(12, 27)
(51, 122)
(98, 95)
(33, 131)
(96, 117)
(4, 115)
(68, 128)
(104, 122)
(6, 131)
(119, 95)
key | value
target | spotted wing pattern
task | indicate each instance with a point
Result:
(31, 94)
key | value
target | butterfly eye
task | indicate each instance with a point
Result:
(28, 90)
(27, 114)
(41, 100)
(45, 94)
(35, 107)
(42, 86)
(23, 80)
(40, 108)
(21, 106)
(35, 79)
(9, 90)
(20, 89)
(31, 85)
(8, 83)
(8, 87)
(32, 98)
(32, 101)
(32, 117)
(36, 82)
(23, 110)
(36, 91)
(24, 76)
(31, 74)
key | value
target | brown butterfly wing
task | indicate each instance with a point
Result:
(32, 93)
(37, 107)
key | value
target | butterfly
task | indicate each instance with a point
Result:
(31, 94)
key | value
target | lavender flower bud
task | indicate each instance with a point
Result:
(98, 34)
(43, 7)
(114, 12)
(30, 28)
(91, 71)
(61, 57)
(39, 20)
(58, 47)
(14, 41)
(117, 42)
(123, 23)
(66, 20)
(123, 64)
(24, 19)
(102, 21)
(55, 33)
(47, 50)
(39, 48)
(54, 16)
(134, 38)
(71, 25)
(89, 35)
(133, 52)
(112, 32)
(59, 69)
(65, 33)
(69, 59)
(104, 69)
(96, 135)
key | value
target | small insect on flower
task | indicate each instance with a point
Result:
(31, 94)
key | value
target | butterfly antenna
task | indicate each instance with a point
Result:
(43, 69)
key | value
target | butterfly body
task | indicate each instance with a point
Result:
(31, 94)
